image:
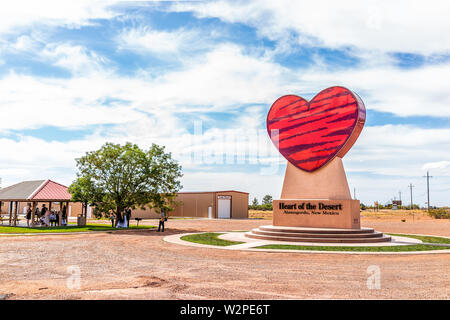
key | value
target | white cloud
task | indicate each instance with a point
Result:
(256, 184)
(222, 79)
(225, 79)
(405, 26)
(75, 58)
(386, 159)
(28, 102)
(18, 14)
(23, 43)
(436, 165)
(403, 92)
(145, 40)
(399, 150)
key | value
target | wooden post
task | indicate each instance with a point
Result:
(60, 213)
(16, 210)
(50, 210)
(67, 213)
(10, 211)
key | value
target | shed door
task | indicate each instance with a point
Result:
(224, 207)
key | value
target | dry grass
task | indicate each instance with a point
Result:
(389, 215)
(395, 215)
(259, 214)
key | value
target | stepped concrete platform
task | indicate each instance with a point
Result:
(321, 235)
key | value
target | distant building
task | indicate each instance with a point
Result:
(212, 204)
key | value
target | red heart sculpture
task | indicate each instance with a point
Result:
(310, 134)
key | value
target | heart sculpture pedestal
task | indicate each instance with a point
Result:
(316, 204)
(316, 199)
(317, 207)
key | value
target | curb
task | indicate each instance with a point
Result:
(71, 232)
(176, 239)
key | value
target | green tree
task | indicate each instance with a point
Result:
(119, 176)
(255, 203)
(267, 199)
(83, 191)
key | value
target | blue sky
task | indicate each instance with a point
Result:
(200, 76)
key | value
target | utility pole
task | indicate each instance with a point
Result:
(400, 195)
(410, 188)
(354, 193)
(428, 189)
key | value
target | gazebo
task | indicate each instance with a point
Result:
(34, 192)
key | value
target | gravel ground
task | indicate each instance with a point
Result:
(139, 265)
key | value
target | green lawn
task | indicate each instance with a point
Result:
(212, 239)
(209, 238)
(417, 247)
(69, 228)
(428, 239)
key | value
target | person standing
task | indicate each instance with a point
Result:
(64, 216)
(46, 214)
(128, 215)
(120, 220)
(29, 211)
(37, 214)
(161, 221)
(52, 217)
(124, 219)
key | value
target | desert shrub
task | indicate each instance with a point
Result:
(262, 207)
(439, 213)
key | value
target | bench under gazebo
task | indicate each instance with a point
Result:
(34, 192)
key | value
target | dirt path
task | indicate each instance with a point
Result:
(140, 265)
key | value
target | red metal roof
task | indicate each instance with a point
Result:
(51, 190)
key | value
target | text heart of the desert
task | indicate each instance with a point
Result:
(309, 206)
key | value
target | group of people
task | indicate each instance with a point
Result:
(46, 217)
(123, 219)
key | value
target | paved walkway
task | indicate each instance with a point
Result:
(252, 244)
(156, 269)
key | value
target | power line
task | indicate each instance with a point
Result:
(428, 189)
(410, 188)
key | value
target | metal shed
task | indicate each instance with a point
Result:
(230, 204)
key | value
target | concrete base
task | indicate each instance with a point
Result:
(319, 199)
(317, 235)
